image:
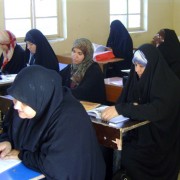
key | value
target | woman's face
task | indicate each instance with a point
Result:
(139, 68)
(77, 56)
(158, 38)
(31, 47)
(4, 47)
(24, 110)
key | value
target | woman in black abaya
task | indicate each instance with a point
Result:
(49, 130)
(121, 43)
(39, 51)
(151, 151)
(168, 43)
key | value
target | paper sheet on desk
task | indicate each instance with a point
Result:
(7, 164)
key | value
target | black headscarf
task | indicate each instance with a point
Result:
(155, 147)
(170, 50)
(59, 141)
(122, 45)
(120, 41)
(44, 55)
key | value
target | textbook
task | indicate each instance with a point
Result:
(102, 53)
(96, 112)
(99, 48)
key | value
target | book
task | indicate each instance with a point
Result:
(96, 112)
(99, 48)
(102, 53)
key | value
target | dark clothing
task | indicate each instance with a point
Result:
(44, 55)
(16, 63)
(59, 141)
(170, 50)
(153, 150)
(122, 45)
(91, 87)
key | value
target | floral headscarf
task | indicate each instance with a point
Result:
(78, 70)
(7, 38)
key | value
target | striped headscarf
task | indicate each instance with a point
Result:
(7, 38)
(78, 70)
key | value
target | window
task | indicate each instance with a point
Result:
(22, 15)
(131, 13)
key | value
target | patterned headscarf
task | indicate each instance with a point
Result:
(78, 70)
(140, 58)
(7, 38)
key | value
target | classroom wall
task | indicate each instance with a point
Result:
(90, 19)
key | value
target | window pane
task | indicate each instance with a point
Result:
(47, 25)
(134, 6)
(122, 18)
(45, 8)
(17, 28)
(118, 7)
(134, 21)
(17, 9)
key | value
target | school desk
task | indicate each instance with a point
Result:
(113, 86)
(66, 59)
(107, 135)
(20, 172)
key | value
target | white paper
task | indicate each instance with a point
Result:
(7, 164)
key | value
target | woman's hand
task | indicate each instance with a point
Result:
(5, 148)
(109, 113)
(12, 155)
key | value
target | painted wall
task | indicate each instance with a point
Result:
(90, 19)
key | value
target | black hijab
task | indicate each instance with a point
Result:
(44, 55)
(120, 41)
(170, 50)
(152, 147)
(60, 136)
(41, 95)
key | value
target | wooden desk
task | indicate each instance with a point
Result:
(66, 59)
(114, 88)
(108, 136)
(113, 137)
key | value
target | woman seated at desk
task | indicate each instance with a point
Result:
(84, 76)
(49, 130)
(12, 59)
(39, 51)
(121, 43)
(151, 93)
(168, 43)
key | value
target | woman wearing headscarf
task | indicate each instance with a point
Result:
(84, 76)
(168, 43)
(151, 93)
(49, 130)
(120, 42)
(39, 51)
(12, 59)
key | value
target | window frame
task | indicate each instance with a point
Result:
(143, 16)
(61, 20)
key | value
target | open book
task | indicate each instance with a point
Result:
(102, 53)
(96, 112)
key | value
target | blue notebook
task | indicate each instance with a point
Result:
(19, 172)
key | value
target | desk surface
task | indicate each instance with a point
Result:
(66, 59)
